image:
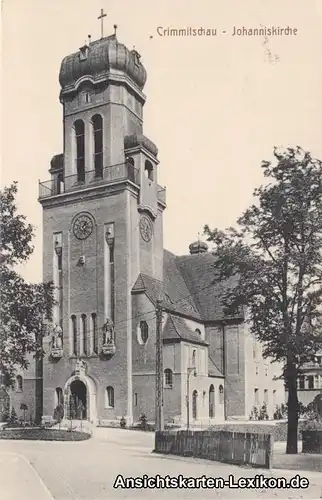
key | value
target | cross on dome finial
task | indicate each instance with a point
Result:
(101, 17)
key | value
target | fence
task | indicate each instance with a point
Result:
(222, 446)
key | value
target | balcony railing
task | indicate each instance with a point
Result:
(161, 194)
(113, 173)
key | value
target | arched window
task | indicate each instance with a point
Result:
(198, 332)
(148, 170)
(221, 394)
(19, 383)
(80, 150)
(211, 401)
(97, 122)
(194, 404)
(109, 397)
(84, 331)
(59, 396)
(74, 335)
(168, 378)
(130, 168)
(144, 332)
(94, 334)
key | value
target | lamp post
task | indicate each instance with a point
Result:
(190, 370)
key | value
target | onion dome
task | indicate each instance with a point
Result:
(98, 60)
(198, 247)
(134, 140)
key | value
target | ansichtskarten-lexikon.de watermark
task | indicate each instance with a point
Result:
(234, 31)
(181, 482)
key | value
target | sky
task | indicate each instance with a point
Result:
(216, 106)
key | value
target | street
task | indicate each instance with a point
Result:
(87, 471)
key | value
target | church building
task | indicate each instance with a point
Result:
(103, 249)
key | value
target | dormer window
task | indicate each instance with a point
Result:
(83, 54)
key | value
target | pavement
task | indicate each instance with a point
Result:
(87, 470)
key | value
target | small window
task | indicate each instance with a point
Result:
(135, 399)
(221, 394)
(302, 382)
(148, 170)
(311, 381)
(257, 370)
(168, 378)
(19, 383)
(211, 401)
(274, 397)
(193, 359)
(198, 332)
(59, 396)
(265, 396)
(256, 396)
(143, 332)
(109, 397)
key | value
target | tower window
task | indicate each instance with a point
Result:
(74, 334)
(144, 332)
(94, 333)
(168, 378)
(80, 150)
(130, 168)
(109, 397)
(97, 122)
(148, 170)
(84, 331)
(198, 332)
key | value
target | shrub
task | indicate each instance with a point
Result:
(59, 413)
(263, 415)
(123, 423)
(13, 419)
(254, 414)
(143, 422)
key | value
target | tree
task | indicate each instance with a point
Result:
(272, 265)
(24, 307)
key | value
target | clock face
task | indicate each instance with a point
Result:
(146, 229)
(83, 227)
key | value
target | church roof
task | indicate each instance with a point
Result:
(189, 287)
(199, 274)
(177, 330)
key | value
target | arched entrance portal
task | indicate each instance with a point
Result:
(78, 400)
(80, 396)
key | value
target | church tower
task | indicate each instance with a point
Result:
(102, 227)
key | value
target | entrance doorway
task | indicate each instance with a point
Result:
(78, 400)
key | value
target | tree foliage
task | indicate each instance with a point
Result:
(275, 252)
(23, 306)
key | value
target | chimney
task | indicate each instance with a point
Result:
(198, 247)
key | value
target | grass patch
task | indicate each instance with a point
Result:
(39, 434)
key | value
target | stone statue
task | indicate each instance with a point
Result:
(108, 332)
(58, 337)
